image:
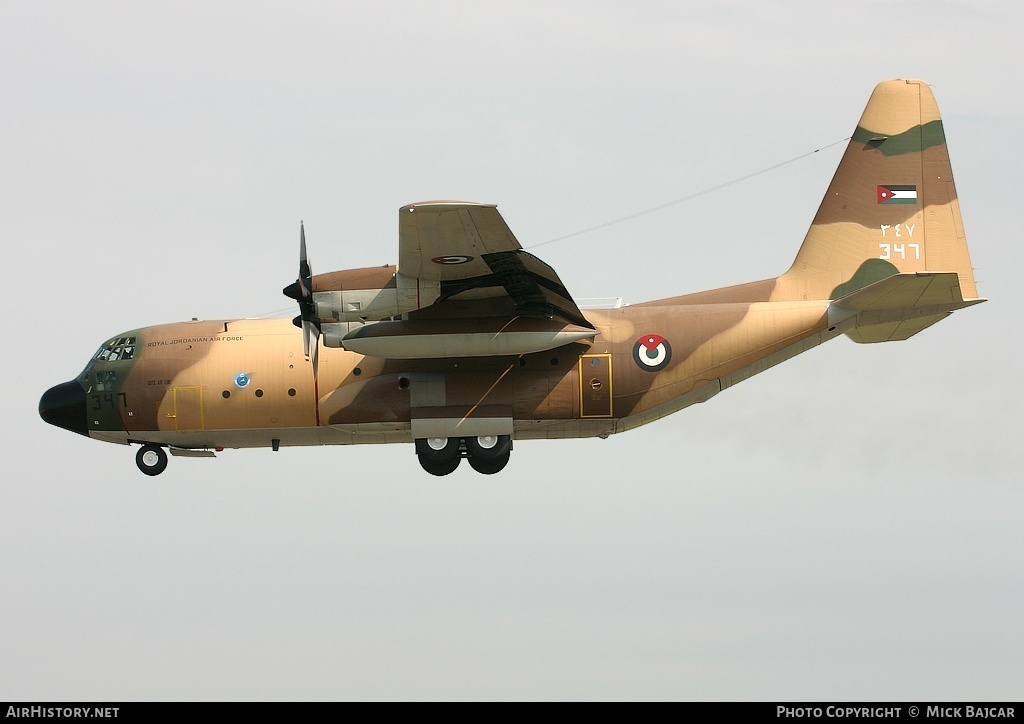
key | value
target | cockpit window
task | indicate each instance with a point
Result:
(119, 348)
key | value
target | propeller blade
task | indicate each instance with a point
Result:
(305, 272)
(311, 340)
(315, 348)
(301, 290)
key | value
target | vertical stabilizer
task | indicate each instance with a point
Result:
(891, 207)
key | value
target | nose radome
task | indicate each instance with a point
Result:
(64, 406)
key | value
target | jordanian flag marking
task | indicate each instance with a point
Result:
(895, 194)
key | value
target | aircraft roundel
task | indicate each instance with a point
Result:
(652, 352)
(452, 259)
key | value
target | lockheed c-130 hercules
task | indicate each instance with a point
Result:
(471, 343)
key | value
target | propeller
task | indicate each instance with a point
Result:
(301, 290)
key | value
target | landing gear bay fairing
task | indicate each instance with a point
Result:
(470, 343)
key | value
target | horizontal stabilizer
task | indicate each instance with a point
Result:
(893, 331)
(898, 306)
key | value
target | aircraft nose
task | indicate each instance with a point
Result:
(64, 406)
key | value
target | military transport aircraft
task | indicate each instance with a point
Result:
(470, 343)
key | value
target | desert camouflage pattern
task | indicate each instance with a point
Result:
(470, 343)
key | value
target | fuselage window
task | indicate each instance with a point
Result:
(88, 370)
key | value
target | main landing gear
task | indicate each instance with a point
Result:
(487, 454)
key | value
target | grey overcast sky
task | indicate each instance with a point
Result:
(844, 526)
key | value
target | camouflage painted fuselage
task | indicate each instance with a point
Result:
(244, 383)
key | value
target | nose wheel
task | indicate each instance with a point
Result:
(487, 454)
(151, 459)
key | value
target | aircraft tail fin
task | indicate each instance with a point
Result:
(891, 207)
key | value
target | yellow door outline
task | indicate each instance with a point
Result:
(184, 414)
(590, 384)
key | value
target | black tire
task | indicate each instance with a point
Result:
(488, 447)
(492, 465)
(442, 467)
(151, 459)
(433, 450)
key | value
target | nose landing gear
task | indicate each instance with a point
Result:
(487, 454)
(151, 459)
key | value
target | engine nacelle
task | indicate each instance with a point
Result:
(372, 294)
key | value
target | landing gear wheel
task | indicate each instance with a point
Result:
(151, 459)
(439, 455)
(437, 449)
(439, 468)
(488, 447)
(490, 466)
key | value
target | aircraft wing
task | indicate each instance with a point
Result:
(471, 253)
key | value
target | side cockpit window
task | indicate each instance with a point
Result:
(119, 348)
(106, 380)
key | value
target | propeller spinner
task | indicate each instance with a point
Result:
(301, 290)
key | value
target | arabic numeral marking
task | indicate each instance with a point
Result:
(917, 250)
(900, 249)
(885, 251)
